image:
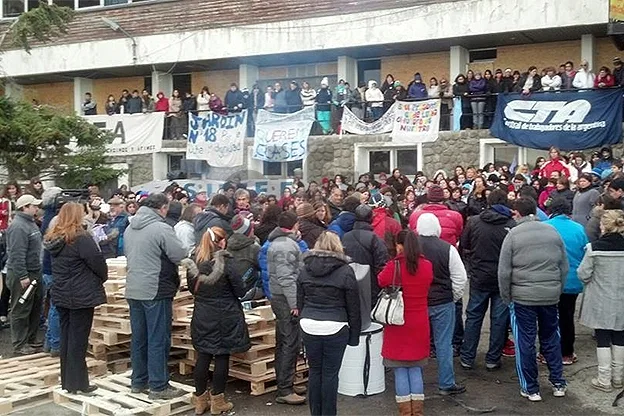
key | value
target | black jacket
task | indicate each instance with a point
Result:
(481, 244)
(310, 229)
(134, 105)
(334, 210)
(293, 100)
(537, 83)
(218, 324)
(79, 271)
(327, 291)
(365, 247)
(437, 252)
(211, 218)
(263, 231)
(234, 100)
(399, 185)
(245, 251)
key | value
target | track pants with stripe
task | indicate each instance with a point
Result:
(527, 322)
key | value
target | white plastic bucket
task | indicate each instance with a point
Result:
(352, 372)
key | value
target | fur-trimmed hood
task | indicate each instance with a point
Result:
(215, 269)
(320, 263)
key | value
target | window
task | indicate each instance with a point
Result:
(483, 55)
(174, 162)
(291, 166)
(182, 83)
(80, 4)
(13, 8)
(406, 161)
(285, 169)
(379, 161)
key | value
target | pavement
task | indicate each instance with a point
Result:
(494, 392)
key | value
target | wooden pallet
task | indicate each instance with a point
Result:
(258, 388)
(112, 324)
(113, 397)
(108, 337)
(257, 352)
(20, 402)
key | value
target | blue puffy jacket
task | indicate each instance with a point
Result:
(264, 266)
(342, 224)
(574, 240)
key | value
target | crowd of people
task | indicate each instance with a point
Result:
(529, 241)
(475, 93)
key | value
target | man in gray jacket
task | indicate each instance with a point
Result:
(532, 270)
(153, 252)
(24, 270)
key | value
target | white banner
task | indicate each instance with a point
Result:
(134, 134)
(282, 137)
(216, 138)
(352, 124)
(210, 186)
(416, 122)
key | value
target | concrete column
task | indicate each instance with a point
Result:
(13, 90)
(81, 87)
(162, 81)
(247, 76)
(588, 50)
(460, 58)
(348, 70)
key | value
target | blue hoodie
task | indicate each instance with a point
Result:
(574, 240)
(343, 224)
(417, 89)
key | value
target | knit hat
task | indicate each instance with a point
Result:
(377, 200)
(397, 83)
(325, 81)
(361, 186)
(617, 60)
(435, 194)
(364, 213)
(242, 225)
(305, 210)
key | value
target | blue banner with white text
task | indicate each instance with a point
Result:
(569, 120)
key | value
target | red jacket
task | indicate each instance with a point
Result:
(162, 104)
(452, 222)
(383, 223)
(552, 166)
(608, 80)
(409, 342)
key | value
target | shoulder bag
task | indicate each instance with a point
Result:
(389, 308)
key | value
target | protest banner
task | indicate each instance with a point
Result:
(569, 120)
(217, 138)
(282, 137)
(352, 124)
(211, 186)
(416, 122)
(134, 134)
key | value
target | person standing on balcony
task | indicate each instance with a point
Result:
(147, 102)
(618, 71)
(567, 77)
(604, 78)
(584, 78)
(89, 107)
(416, 88)
(162, 103)
(111, 105)
(374, 99)
(477, 88)
(134, 104)
(308, 94)
(203, 100)
(123, 102)
(323, 106)
(234, 100)
(551, 81)
(293, 97)
(176, 116)
(529, 82)
(279, 97)
(460, 91)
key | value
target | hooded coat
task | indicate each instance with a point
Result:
(79, 271)
(574, 240)
(244, 251)
(162, 104)
(417, 90)
(218, 324)
(311, 229)
(342, 224)
(452, 222)
(211, 218)
(327, 291)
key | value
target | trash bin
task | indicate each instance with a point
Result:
(362, 371)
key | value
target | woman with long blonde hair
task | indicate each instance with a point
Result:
(79, 271)
(218, 326)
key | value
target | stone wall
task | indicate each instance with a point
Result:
(452, 149)
(140, 167)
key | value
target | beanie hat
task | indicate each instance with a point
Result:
(435, 194)
(325, 81)
(242, 225)
(305, 210)
(364, 213)
(377, 200)
(606, 173)
(428, 225)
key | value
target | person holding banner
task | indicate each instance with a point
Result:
(374, 99)
(323, 106)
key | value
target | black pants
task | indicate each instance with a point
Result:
(567, 305)
(4, 297)
(606, 337)
(287, 345)
(219, 377)
(324, 358)
(458, 332)
(25, 316)
(75, 329)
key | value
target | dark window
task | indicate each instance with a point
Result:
(483, 55)
(88, 3)
(272, 168)
(291, 166)
(367, 70)
(147, 84)
(33, 4)
(181, 82)
(65, 3)
(12, 8)
(175, 162)
(114, 2)
(379, 162)
(406, 161)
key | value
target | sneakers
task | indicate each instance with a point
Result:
(509, 350)
(86, 392)
(454, 389)
(139, 390)
(559, 391)
(533, 397)
(465, 365)
(28, 350)
(595, 383)
(570, 359)
(492, 366)
(168, 393)
(301, 390)
(540, 359)
(292, 399)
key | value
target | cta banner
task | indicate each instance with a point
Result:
(416, 122)
(352, 124)
(282, 137)
(571, 120)
(135, 134)
(217, 138)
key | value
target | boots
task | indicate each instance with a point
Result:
(202, 402)
(603, 382)
(405, 405)
(218, 404)
(617, 366)
(418, 404)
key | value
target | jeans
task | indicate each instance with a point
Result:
(287, 345)
(24, 316)
(442, 319)
(408, 381)
(478, 107)
(499, 314)
(150, 321)
(377, 112)
(324, 358)
(53, 332)
(525, 321)
(75, 329)
(567, 305)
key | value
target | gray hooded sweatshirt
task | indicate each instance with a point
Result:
(153, 252)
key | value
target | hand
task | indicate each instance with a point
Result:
(294, 312)
(25, 282)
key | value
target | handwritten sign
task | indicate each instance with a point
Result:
(416, 122)
(217, 138)
(352, 124)
(282, 138)
(134, 134)
(211, 186)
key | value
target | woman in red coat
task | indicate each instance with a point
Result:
(407, 358)
(554, 164)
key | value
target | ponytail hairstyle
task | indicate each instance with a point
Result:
(208, 244)
(411, 249)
